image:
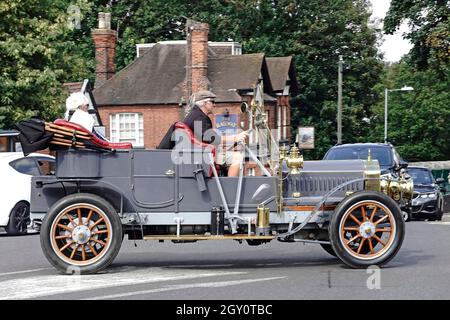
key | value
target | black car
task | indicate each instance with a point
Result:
(428, 200)
(388, 158)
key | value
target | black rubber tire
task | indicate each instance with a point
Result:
(19, 218)
(341, 209)
(439, 215)
(328, 248)
(116, 238)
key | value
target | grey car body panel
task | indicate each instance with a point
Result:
(140, 181)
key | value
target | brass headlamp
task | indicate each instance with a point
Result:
(295, 160)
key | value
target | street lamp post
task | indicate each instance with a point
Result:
(386, 91)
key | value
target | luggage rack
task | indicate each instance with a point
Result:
(66, 136)
(70, 134)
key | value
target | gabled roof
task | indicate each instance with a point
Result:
(154, 78)
(279, 70)
(238, 72)
(157, 77)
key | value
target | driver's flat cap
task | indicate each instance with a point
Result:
(204, 94)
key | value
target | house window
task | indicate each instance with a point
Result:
(127, 127)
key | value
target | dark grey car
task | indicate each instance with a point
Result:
(428, 200)
(388, 158)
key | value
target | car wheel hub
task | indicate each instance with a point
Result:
(81, 234)
(367, 230)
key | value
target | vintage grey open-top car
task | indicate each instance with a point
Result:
(97, 197)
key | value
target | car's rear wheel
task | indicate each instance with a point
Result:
(19, 218)
(81, 234)
(367, 229)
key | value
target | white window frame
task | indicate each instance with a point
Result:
(114, 121)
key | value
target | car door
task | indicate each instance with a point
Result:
(153, 180)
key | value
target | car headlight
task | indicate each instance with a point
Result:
(428, 195)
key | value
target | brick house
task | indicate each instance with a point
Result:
(139, 103)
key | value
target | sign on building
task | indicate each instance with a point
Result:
(305, 137)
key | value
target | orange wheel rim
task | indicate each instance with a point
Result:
(81, 234)
(367, 230)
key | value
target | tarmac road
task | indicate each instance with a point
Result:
(228, 270)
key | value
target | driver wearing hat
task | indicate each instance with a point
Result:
(200, 123)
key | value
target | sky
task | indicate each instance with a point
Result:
(394, 46)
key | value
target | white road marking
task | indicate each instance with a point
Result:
(447, 223)
(49, 285)
(23, 271)
(184, 286)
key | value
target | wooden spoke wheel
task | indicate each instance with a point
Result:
(82, 233)
(366, 229)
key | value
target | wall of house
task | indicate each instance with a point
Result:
(157, 120)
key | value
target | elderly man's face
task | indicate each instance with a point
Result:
(209, 106)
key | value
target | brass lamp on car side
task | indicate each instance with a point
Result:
(295, 160)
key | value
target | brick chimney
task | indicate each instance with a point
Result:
(197, 44)
(105, 49)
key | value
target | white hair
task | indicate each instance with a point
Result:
(74, 101)
(192, 103)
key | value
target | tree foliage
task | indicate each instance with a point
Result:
(37, 55)
(418, 121)
(429, 33)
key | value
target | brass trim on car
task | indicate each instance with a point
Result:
(372, 173)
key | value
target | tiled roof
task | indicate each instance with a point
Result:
(279, 69)
(157, 77)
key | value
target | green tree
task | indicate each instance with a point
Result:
(37, 55)
(418, 120)
(429, 33)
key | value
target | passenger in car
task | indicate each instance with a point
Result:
(77, 111)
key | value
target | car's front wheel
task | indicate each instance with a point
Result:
(367, 229)
(81, 234)
(19, 219)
